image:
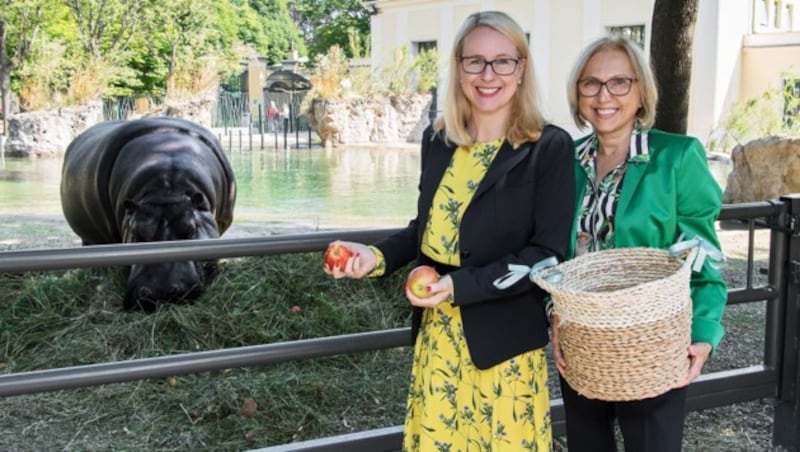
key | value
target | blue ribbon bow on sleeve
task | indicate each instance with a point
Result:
(705, 250)
(516, 272)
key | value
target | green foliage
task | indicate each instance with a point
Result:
(88, 48)
(774, 112)
(327, 75)
(280, 34)
(328, 23)
(426, 68)
(408, 74)
(333, 78)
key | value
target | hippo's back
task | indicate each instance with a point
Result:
(89, 163)
(83, 199)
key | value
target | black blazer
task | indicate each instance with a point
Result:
(522, 212)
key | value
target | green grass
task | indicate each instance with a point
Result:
(53, 320)
(58, 319)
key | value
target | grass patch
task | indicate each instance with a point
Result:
(52, 320)
(58, 319)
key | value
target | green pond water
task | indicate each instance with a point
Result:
(349, 188)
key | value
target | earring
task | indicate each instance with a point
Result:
(519, 81)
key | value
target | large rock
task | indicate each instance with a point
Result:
(197, 110)
(370, 120)
(48, 132)
(764, 169)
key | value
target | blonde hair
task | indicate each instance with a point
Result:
(648, 91)
(526, 120)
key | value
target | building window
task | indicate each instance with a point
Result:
(634, 33)
(791, 102)
(422, 46)
(788, 18)
(765, 14)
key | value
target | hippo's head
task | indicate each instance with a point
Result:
(160, 217)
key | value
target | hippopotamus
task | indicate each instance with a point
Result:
(147, 180)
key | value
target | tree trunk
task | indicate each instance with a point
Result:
(671, 58)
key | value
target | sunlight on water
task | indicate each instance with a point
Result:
(374, 187)
(334, 188)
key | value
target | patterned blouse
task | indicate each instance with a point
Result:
(599, 205)
(459, 182)
(466, 170)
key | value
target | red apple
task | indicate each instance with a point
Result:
(249, 407)
(336, 256)
(419, 279)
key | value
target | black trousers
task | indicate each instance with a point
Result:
(648, 425)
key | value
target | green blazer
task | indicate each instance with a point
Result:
(670, 193)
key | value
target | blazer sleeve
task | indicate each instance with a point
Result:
(698, 204)
(402, 247)
(552, 205)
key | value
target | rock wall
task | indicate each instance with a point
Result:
(764, 169)
(48, 132)
(370, 120)
(196, 110)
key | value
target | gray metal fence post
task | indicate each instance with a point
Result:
(786, 429)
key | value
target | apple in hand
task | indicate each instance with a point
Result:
(419, 279)
(336, 256)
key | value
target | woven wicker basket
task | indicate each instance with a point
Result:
(625, 321)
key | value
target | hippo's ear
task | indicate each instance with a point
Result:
(199, 201)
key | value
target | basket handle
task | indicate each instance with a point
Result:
(516, 272)
(700, 251)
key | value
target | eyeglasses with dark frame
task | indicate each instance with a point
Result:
(616, 86)
(500, 66)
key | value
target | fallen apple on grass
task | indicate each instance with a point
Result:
(336, 256)
(420, 278)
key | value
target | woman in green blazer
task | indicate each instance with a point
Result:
(637, 186)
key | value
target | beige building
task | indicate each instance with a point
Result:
(741, 47)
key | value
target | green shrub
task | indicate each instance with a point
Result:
(774, 112)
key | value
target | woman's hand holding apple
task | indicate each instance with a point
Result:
(360, 261)
(434, 288)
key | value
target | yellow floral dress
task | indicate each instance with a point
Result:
(452, 405)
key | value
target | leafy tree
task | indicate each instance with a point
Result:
(107, 26)
(179, 27)
(324, 23)
(20, 25)
(280, 33)
(187, 46)
(671, 56)
(106, 30)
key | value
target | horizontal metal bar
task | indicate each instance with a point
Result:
(708, 391)
(377, 440)
(736, 296)
(191, 363)
(732, 386)
(177, 250)
(750, 210)
(150, 252)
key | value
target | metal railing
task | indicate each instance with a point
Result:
(777, 378)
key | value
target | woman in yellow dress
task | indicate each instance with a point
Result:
(496, 189)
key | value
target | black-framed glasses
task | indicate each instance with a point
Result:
(616, 86)
(500, 66)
